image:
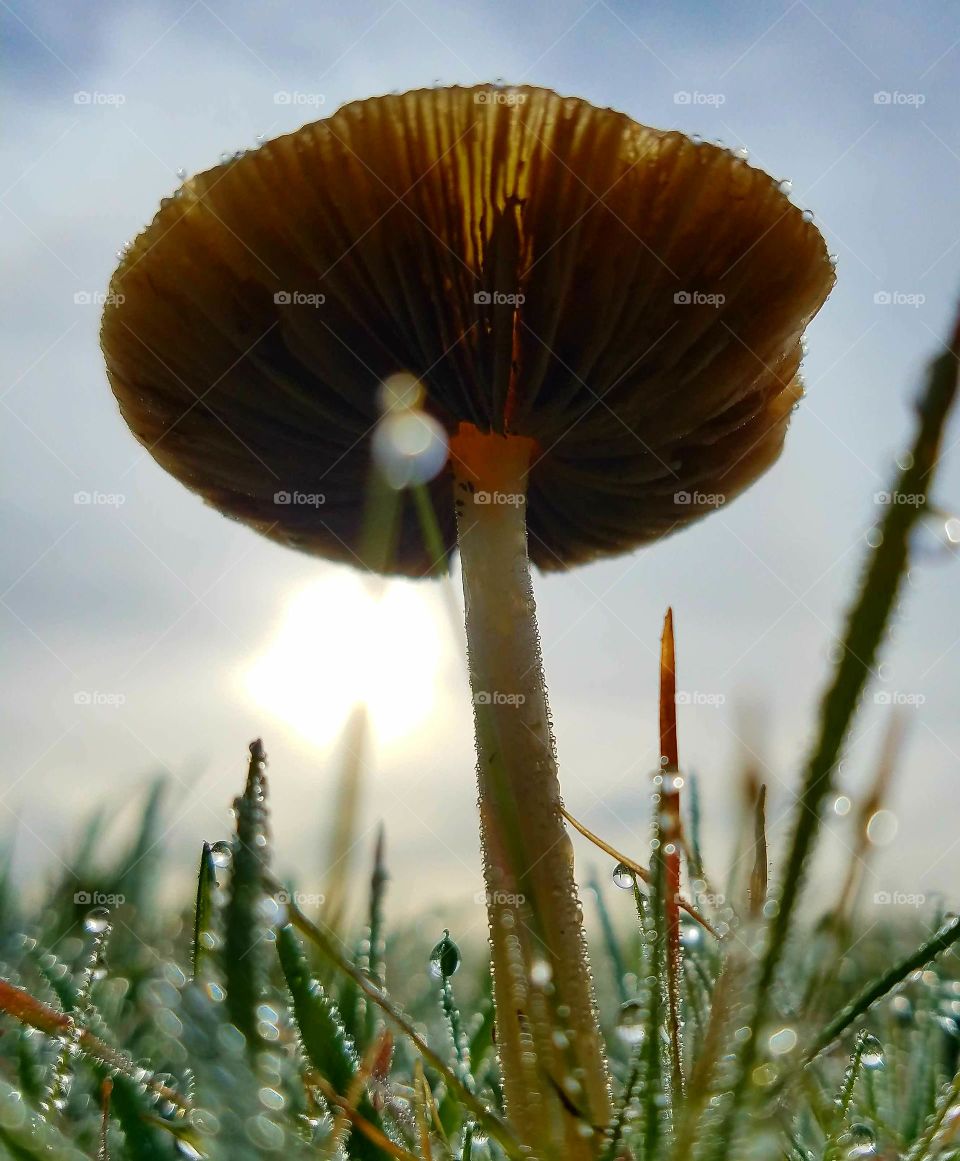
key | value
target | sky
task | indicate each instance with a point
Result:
(143, 634)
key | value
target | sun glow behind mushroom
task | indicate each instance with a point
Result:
(347, 639)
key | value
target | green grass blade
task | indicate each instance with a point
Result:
(243, 950)
(318, 1019)
(882, 986)
(866, 625)
(203, 914)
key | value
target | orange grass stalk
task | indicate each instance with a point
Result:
(670, 837)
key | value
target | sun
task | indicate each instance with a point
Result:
(344, 640)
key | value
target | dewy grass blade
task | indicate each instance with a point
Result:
(865, 629)
(668, 804)
(486, 1118)
(758, 878)
(203, 914)
(244, 945)
(948, 935)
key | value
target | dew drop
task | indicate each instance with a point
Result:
(841, 805)
(882, 828)
(783, 1041)
(221, 853)
(807, 215)
(785, 186)
(630, 1025)
(623, 877)
(97, 921)
(936, 536)
(860, 1141)
(541, 973)
(445, 958)
(871, 1051)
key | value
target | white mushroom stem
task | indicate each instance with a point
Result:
(547, 1031)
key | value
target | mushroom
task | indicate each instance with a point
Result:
(604, 322)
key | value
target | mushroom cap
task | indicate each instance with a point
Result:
(631, 299)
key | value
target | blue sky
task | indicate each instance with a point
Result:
(157, 610)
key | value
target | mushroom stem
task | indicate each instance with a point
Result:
(551, 1054)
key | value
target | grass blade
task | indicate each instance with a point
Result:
(203, 915)
(866, 625)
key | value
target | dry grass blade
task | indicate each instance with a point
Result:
(641, 872)
(22, 1006)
